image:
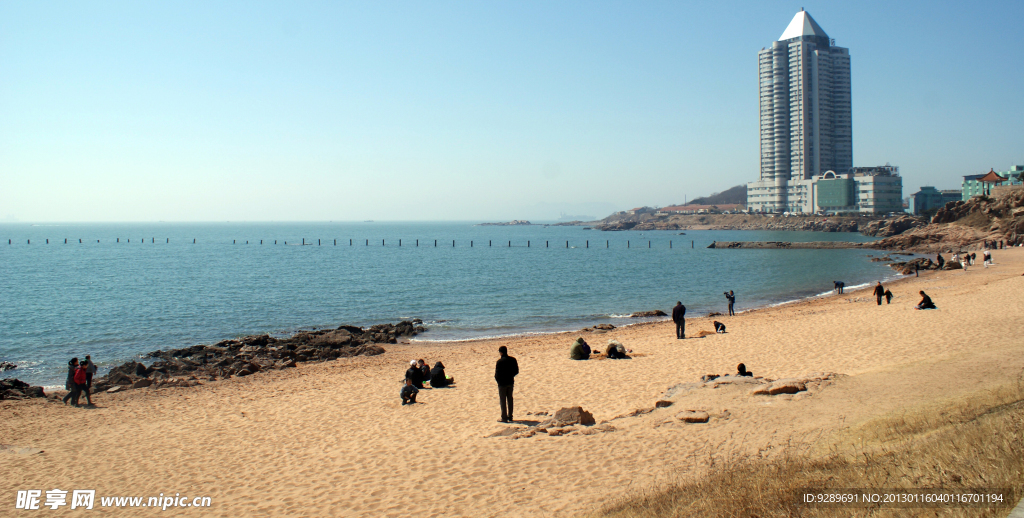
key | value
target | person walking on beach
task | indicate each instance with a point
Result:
(679, 317)
(70, 383)
(879, 292)
(90, 371)
(888, 296)
(505, 372)
(732, 301)
(80, 386)
(839, 285)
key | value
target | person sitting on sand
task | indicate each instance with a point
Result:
(926, 302)
(414, 374)
(616, 351)
(580, 350)
(438, 378)
(741, 370)
(422, 364)
(408, 393)
(719, 327)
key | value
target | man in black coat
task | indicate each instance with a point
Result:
(505, 371)
(678, 316)
(879, 292)
(732, 301)
(414, 374)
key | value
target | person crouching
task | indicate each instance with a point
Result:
(408, 393)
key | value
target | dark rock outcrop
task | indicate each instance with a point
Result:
(252, 354)
(7, 366)
(13, 388)
(654, 313)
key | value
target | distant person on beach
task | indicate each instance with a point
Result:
(888, 296)
(81, 385)
(414, 374)
(719, 327)
(408, 393)
(505, 372)
(580, 350)
(616, 351)
(425, 369)
(986, 257)
(90, 371)
(879, 292)
(741, 370)
(70, 383)
(679, 317)
(839, 285)
(438, 378)
(974, 257)
(732, 301)
(926, 302)
(940, 260)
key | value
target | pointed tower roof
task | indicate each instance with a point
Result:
(803, 25)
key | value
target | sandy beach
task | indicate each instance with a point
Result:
(333, 439)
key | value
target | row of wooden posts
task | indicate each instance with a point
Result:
(547, 244)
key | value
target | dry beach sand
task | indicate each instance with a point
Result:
(332, 438)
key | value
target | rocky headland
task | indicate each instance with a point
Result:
(513, 223)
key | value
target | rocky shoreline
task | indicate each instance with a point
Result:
(191, 366)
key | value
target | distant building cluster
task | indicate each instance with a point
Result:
(807, 132)
(985, 184)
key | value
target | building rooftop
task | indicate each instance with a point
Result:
(803, 25)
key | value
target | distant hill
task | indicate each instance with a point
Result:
(736, 194)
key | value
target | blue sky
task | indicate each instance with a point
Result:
(256, 111)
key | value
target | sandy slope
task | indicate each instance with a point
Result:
(332, 439)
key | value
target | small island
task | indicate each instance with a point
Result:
(514, 222)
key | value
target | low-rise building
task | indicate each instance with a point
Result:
(874, 190)
(930, 197)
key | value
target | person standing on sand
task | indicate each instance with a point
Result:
(80, 386)
(505, 372)
(732, 301)
(940, 260)
(879, 292)
(679, 317)
(839, 285)
(888, 296)
(70, 383)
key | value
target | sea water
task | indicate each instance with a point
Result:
(128, 289)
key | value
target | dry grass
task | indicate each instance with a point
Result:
(968, 444)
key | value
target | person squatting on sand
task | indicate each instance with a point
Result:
(414, 374)
(616, 351)
(926, 302)
(732, 301)
(879, 292)
(408, 393)
(580, 350)
(438, 379)
(741, 370)
(505, 371)
(719, 327)
(679, 317)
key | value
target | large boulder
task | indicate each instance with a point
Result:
(892, 227)
(653, 313)
(693, 416)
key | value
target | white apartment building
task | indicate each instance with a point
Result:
(807, 130)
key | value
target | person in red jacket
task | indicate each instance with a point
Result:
(81, 385)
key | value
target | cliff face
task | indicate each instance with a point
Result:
(965, 224)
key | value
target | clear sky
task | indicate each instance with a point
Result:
(285, 111)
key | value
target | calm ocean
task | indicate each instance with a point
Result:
(116, 300)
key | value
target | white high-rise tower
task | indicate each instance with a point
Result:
(806, 128)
